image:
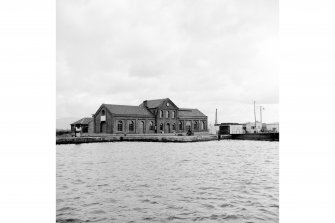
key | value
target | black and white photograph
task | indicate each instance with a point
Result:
(167, 111)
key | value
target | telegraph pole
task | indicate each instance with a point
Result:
(255, 113)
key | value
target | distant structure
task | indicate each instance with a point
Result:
(151, 116)
(260, 127)
(216, 116)
(272, 127)
(84, 125)
(252, 127)
(230, 128)
(247, 128)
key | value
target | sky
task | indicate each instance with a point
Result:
(201, 54)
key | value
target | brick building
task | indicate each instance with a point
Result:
(151, 116)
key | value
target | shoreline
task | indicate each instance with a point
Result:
(161, 138)
(167, 139)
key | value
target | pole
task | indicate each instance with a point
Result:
(255, 113)
(260, 109)
(216, 116)
(260, 113)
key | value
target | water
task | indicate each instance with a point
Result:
(217, 181)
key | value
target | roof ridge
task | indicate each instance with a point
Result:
(188, 109)
(156, 99)
(124, 105)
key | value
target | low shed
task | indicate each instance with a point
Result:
(84, 125)
(230, 128)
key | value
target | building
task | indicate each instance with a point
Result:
(250, 127)
(151, 116)
(84, 125)
(230, 128)
(272, 127)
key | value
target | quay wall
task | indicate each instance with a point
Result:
(164, 138)
(257, 136)
(132, 138)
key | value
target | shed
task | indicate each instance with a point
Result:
(84, 125)
(230, 128)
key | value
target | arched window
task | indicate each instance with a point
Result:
(120, 126)
(102, 112)
(174, 127)
(180, 126)
(195, 124)
(203, 125)
(167, 114)
(131, 126)
(161, 127)
(173, 114)
(151, 125)
(161, 114)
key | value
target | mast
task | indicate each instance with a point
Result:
(260, 112)
(255, 114)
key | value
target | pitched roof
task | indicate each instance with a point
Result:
(83, 121)
(190, 112)
(154, 103)
(128, 110)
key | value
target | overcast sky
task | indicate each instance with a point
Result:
(199, 53)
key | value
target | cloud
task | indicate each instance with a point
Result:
(199, 53)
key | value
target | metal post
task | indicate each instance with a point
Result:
(255, 114)
(260, 109)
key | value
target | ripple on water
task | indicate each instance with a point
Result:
(226, 181)
(69, 220)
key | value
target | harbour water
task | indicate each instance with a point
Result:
(216, 181)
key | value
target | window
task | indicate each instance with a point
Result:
(173, 114)
(161, 127)
(151, 125)
(174, 127)
(161, 114)
(180, 126)
(102, 112)
(167, 104)
(167, 114)
(203, 125)
(120, 126)
(131, 126)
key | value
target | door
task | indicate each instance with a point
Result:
(141, 127)
(103, 127)
(188, 125)
(167, 128)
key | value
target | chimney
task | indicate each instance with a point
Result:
(216, 116)
(145, 103)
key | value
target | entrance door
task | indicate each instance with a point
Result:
(188, 125)
(103, 128)
(167, 128)
(141, 127)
